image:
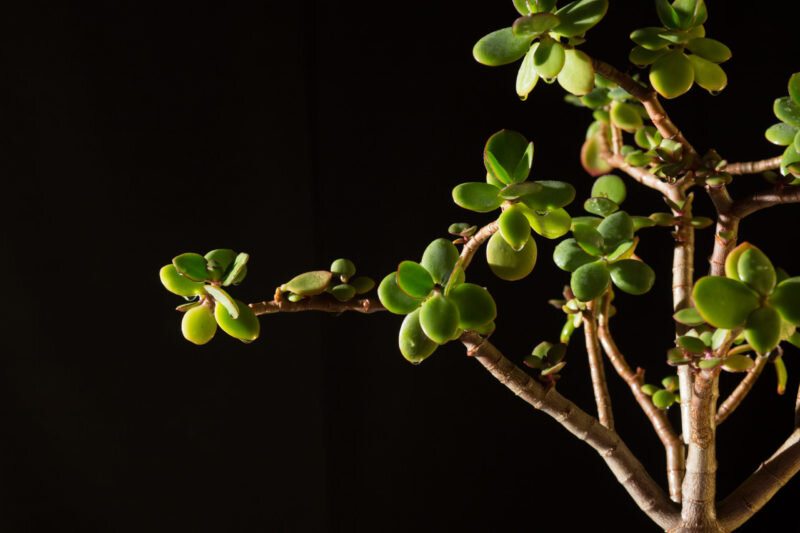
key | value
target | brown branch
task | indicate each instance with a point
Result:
(797, 409)
(727, 224)
(753, 167)
(658, 418)
(325, 303)
(626, 468)
(788, 194)
(616, 140)
(475, 242)
(682, 280)
(601, 396)
(757, 490)
(740, 392)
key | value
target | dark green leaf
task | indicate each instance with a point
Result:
(794, 88)
(589, 239)
(616, 229)
(343, 292)
(787, 111)
(632, 276)
(667, 14)
(439, 258)
(786, 300)
(413, 279)
(590, 281)
(508, 156)
(414, 344)
(755, 269)
(569, 256)
(475, 305)
(439, 318)
(763, 329)
(724, 302)
(691, 344)
(600, 206)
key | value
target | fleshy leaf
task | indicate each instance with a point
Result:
(589, 239)
(551, 224)
(691, 344)
(579, 16)
(756, 270)
(709, 49)
(514, 227)
(625, 116)
(362, 284)
(507, 263)
(236, 272)
(395, 300)
(344, 268)
(690, 317)
(343, 292)
(577, 74)
(663, 399)
(414, 344)
(475, 305)
(503, 153)
(549, 58)
(439, 258)
(794, 88)
(672, 74)
(786, 300)
(632, 276)
(414, 280)
(192, 266)
(245, 327)
(439, 318)
(642, 57)
(552, 195)
(198, 325)
(527, 75)
(178, 284)
(309, 283)
(600, 206)
(590, 157)
(500, 48)
(763, 329)
(649, 38)
(787, 111)
(534, 24)
(224, 299)
(616, 229)
(738, 363)
(569, 256)
(590, 281)
(224, 258)
(667, 14)
(476, 196)
(517, 190)
(724, 302)
(708, 75)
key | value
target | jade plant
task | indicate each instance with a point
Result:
(740, 316)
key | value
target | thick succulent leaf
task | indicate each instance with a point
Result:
(534, 24)
(344, 268)
(625, 116)
(522, 7)
(672, 74)
(590, 157)
(600, 206)
(632, 276)
(786, 300)
(737, 363)
(514, 227)
(517, 190)
(667, 14)
(724, 302)
(550, 224)
(690, 317)
(794, 88)
(579, 16)
(508, 156)
(414, 344)
(395, 300)
(549, 57)
(709, 49)
(597, 98)
(175, 283)
(691, 344)
(647, 137)
(507, 263)
(755, 269)
(641, 56)
(616, 229)
(500, 48)
(787, 111)
(192, 266)
(527, 75)
(732, 260)
(245, 327)
(589, 239)
(237, 271)
(590, 281)
(362, 284)
(649, 38)
(642, 222)
(414, 279)
(224, 299)
(439, 258)
(552, 195)
(569, 256)
(523, 168)
(782, 374)
(309, 283)
(781, 134)
(790, 160)
(439, 318)
(222, 258)
(623, 250)
(343, 291)
(577, 74)
(663, 398)
(198, 325)
(708, 75)
(691, 13)
(611, 187)
(476, 196)
(763, 329)
(476, 306)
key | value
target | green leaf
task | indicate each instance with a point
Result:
(523, 168)
(649, 38)
(178, 284)
(551, 224)
(737, 363)
(589, 221)
(763, 329)
(649, 389)
(590, 157)
(439, 259)
(223, 258)
(719, 337)
(439, 318)
(549, 58)
(632, 276)
(224, 299)
(476, 307)
(569, 256)
(344, 268)
(789, 160)
(787, 111)
(625, 116)
(663, 399)
(611, 187)
(706, 364)
(395, 300)
(600, 206)
(642, 222)
(689, 316)
(343, 292)
(476, 196)
(782, 374)
(732, 260)
(672, 74)
(671, 383)
(709, 49)
(500, 48)
(794, 88)
(641, 56)
(589, 239)
(724, 302)
(464, 229)
(414, 280)
(237, 271)
(590, 281)
(786, 300)
(192, 266)
(756, 270)
(552, 195)
(198, 325)
(623, 250)
(579, 16)
(616, 229)
(596, 98)
(309, 283)
(504, 152)
(691, 13)
(708, 75)
(577, 74)
(414, 344)
(245, 327)
(691, 344)
(647, 137)
(667, 14)
(362, 284)
(517, 190)
(534, 24)
(507, 263)
(554, 369)
(522, 7)
(514, 227)
(527, 75)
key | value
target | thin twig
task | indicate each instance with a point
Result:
(624, 465)
(325, 303)
(601, 396)
(788, 194)
(740, 392)
(616, 140)
(658, 418)
(472, 245)
(754, 167)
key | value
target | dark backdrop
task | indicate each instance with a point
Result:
(301, 132)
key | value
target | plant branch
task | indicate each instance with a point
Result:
(601, 396)
(788, 194)
(626, 468)
(740, 392)
(753, 167)
(757, 490)
(726, 231)
(475, 242)
(325, 303)
(658, 418)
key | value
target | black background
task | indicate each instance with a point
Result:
(301, 132)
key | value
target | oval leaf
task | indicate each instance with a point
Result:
(514, 227)
(439, 259)
(786, 300)
(414, 280)
(551, 224)
(439, 318)
(414, 344)
(724, 302)
(763, 329)
(507, 263)
(577, 74)
(548, 58)
(395, 300)
(755, 269)
(224, 299)
(192, 266)
(198, 324)
(616, 229)
(579, 16)
(672, 74)
(590, 281)
(476, 196)
(632, 276)
(476, 307)
(309, 283)
(500, 48)
(708, 75)
(245, 327)
(178, 284)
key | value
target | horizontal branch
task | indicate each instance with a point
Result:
(325, 303)
(759, 488)
(754, 167)
(626, 468)
(788, 194)
(740, 392)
